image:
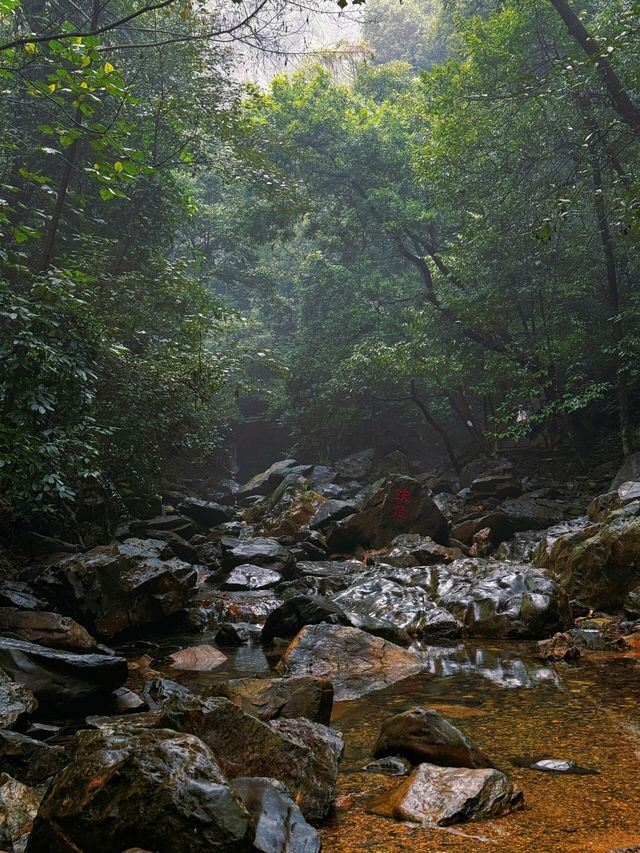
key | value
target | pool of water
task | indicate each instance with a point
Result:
(512, 705)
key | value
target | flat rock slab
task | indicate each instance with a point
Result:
(248, 576)
(355, 662)
(198, 658)
(272, 698)
(61, 679)
(449, 795)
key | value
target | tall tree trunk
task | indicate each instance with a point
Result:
(613, 298)
(433, 423)
(618, 94)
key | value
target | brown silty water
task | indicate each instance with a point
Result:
(512, 705)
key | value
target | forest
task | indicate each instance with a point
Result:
(320, 398)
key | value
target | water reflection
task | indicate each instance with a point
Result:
(500, 666)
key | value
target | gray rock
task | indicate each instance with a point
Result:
(17, 702)
(247, 577)
(299, 611)
(272, 698)
(450, 795)
(28, 760)
(155, 789)
(280, 825)
(422, 735)
(261, 551)
(205, 513)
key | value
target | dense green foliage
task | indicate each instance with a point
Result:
(443, 248)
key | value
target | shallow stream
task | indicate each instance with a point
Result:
(512, 705)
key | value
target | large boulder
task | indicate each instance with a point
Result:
(449, 795)
(533, 513)
(61, 680)
(154, 789)
(265, 482)
(494, 599)
(301, 754)
(261, 551)
(410, 608)
(110, 592)
(354, 661)
(422, 735)
(298, 611)
(46, 629)
(280, 825)
(491, 478)
(411, 549)
(330, 511)
(396, 505)
(599, 565)
(272, 698)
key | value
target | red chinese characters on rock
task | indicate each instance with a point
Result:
(401, 498)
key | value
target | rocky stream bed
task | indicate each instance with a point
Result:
(354, 657)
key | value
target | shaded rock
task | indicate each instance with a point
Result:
(28, 760)
(261, 551)
(422, 735)
(629, 470)
(355, 662)
(301, 754)
(299, 611)
(178, 546)
(16, 702)
(280, 825)
(355, 467)
(396, 505)
(559, 647)
(61, 679)
(180, 524)
(154, 789)
(110, 592)
(18, 595)
(532, 513)
(18, 808)
(265, 482)
(127, 702)
(205, 513)
(246, 577)
(142, 549)
(450, 795)
(491, 478)
(380, 628)
(199, 658)
(272, 698)
(329, 511)
(46, 629)
(252, 607)
(602, 506)
(497, 522)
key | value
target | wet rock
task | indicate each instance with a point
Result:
(273, 698)
(18, 808)
(299, 611)
(602, 506)
(422, 735)
(411, 609)
(628, 492)
(46, 629)
(559, 647)
(61, 679)
(177, 545)
(301, 754)
(127, 702)
(110, 592)
(142, 549)
(154, 789)
(180, 524)
(199, 658)
(493, 599)
(16, 702)
(158, 690)
(533, 513)
(261, 551)
(280, 825)
(18, 595)
(28, 760)
(553, 765)
(599, 565)
(205, 513)
(247, 577)
(450, 795)
(355, 662)
(391, 765)
(252, 607)
(380, 628)
(396, 505)
(330, 511)
(497, 522)
(355, 467)
(411, 549)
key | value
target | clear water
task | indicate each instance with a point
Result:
(512, 705)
